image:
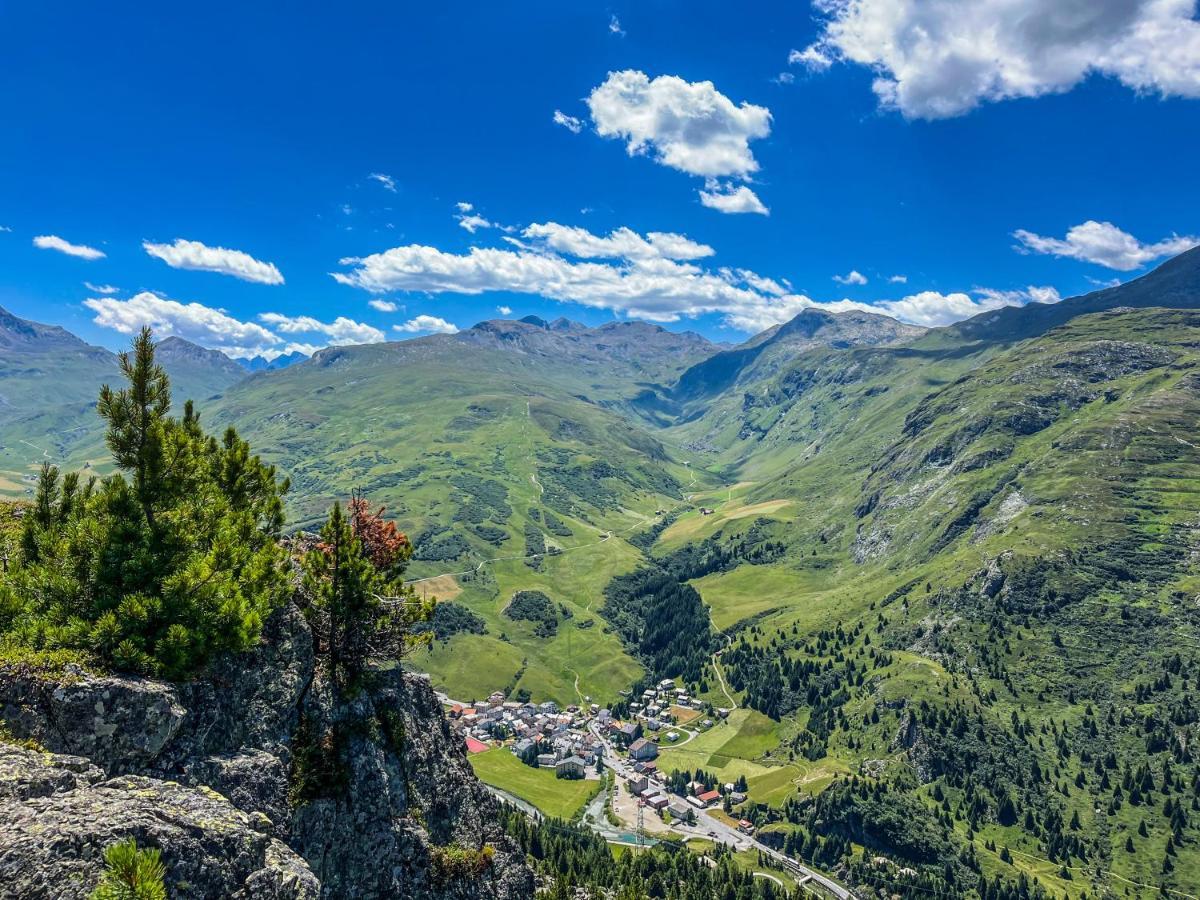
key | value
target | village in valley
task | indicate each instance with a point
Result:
(586, 742)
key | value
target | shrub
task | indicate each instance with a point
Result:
(455, 862)
(131, 874)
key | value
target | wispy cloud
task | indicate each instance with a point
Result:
(54, 242)
(570, 123)
(388, 182)
(101, 288)
(852, 277)
(386, 306)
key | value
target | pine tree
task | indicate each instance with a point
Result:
(131, 874)
(169, 561)
(359, 611)
(135, 417)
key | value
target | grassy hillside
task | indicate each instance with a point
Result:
(987, 611)
(946, 582)
(505, 472)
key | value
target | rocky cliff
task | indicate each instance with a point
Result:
(252, 782)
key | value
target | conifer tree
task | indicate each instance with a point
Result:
(359, 608)
(170, 560)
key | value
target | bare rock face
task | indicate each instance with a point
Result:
(411, 795)
(219, 774)
(57, 815)
(117, 723)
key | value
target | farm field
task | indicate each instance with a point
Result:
(556, 797)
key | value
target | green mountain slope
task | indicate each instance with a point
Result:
(986, 607)
(953, 574)
(498, 451)
(49, 381)
(764, 354)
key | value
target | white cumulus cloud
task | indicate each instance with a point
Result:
(472, 222)
(340, 331)
(570, 123)
(504, 310)
(427, 324)
(1104, 244)
(621, 243)
(726, 198)
(54, 242)
(199, 257)
(636, 275)
(689, 126)
(854, 277)
(386, 306)
(101, 288)
(191, 321)
(898, 279)
(938, 58)
(932, 308)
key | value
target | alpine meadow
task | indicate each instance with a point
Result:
(780, 478)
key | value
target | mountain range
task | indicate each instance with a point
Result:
(952, 572)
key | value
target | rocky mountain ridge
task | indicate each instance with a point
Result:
(235, 776)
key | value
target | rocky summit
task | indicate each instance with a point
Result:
(216, 773)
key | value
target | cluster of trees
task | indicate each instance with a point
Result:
(450, 618)
(782, 675)
(663, 620)
(719, 553)
(158, 567)
(678, 781)
(573, 858)
(176, 557)
(537, 607)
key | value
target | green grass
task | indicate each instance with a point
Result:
(556, 797)
(735, 747)
(749, 591)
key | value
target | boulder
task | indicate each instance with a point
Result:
(53, 832)
(118, 723)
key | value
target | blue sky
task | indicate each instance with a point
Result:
(250, 136)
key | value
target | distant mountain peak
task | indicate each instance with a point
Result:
(17, 332)
(176, 352)
(1174, 284)
(807, 330)
(282, 361)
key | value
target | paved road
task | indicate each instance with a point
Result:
(712, 828)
